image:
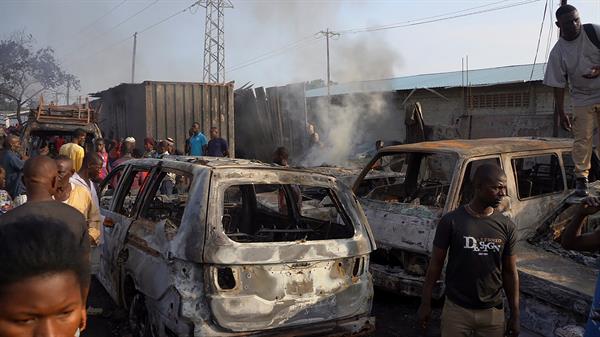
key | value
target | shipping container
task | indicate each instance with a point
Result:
(166, 109)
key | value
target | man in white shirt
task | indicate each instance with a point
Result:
(575, 60)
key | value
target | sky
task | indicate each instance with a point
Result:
(93, 38)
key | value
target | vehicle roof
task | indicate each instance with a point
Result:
(484, 146)
(216, 163)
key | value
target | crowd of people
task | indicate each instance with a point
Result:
(51, 222)
(51, 219)
(86, 169)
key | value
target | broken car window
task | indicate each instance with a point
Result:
(168, 201)
(418, 178)
(538, 175)
(283, 212)
(108, 187)
(136, 179)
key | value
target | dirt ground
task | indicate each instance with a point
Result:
(395, 316)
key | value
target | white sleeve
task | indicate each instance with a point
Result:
(556, 74)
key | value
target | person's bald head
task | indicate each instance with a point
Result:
(490, 185)
(65, 169)
(40, 175)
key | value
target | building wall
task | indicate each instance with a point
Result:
(521, 109)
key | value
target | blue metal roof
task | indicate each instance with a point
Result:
(477, 77)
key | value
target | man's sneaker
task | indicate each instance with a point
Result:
(581, 187)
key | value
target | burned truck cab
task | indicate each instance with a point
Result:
(406, 189)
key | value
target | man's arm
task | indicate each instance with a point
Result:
(559, 100)
(572, 238)
(94, 225)
(434, 271)
(559, 105)
(510, 283)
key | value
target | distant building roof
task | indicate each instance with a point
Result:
(477, 77)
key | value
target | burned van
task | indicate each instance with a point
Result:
(406, 189)
(220, 247)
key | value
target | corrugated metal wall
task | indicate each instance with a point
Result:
(167, 109)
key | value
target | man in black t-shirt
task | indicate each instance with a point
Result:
(217, 146)
(480, 244)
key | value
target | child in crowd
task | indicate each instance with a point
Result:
(45, 271)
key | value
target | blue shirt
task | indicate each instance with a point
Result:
(197, 143)
(217, 147)
(13, 165)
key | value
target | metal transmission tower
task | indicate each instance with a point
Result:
(214, 40)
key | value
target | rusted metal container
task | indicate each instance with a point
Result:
(166, 109)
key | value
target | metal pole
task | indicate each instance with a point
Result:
(133, 57)
(328, 70)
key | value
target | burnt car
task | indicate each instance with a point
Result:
(198, 246)
(406, 189)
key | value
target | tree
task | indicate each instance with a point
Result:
(26, 73)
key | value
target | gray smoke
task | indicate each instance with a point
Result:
(354, 57)
(345, 128)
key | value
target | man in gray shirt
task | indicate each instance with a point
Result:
(575, 61)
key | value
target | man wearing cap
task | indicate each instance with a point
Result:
(172, 149)
(129, 142)
(198, 142)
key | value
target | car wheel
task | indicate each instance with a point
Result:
(139, 320)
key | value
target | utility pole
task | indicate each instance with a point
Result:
(133, 57)
(68, 87)
(327, 35)
(214, 40)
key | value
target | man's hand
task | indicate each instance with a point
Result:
(513, 327)
(590, 205)
(423, 316)
(565, 122)
(594, 72)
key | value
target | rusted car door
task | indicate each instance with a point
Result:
(403, 196)
(537, 184)
(119, 196)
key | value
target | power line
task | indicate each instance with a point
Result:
(112, 28)
(537, 49)
(118, 42)
(412, 22)
(274, 52)
(431, 17)
(550, 32)
(437, 18)
(102, 17)
(188, 8)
